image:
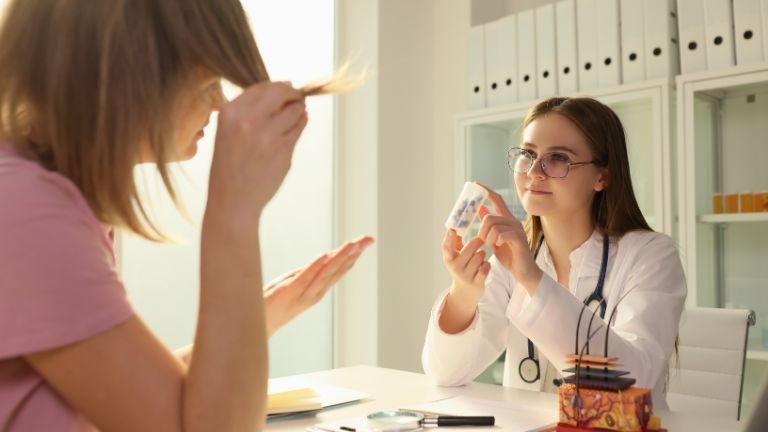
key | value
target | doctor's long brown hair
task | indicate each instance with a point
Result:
(614, 210)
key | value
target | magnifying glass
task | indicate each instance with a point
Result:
(396, 421)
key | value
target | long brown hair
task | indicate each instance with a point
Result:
(614, 209)
(83, 82)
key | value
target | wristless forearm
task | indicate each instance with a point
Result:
(227, 380)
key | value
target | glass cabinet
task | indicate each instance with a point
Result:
(723, 170)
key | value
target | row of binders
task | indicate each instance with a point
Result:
(716, 34)
(579, 45)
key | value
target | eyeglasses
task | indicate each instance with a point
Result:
(554, 165)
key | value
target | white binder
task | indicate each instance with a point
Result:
(526, 56)
(546, 52)
(661, 49)
(567, 60)
(501, 61)
(476, 57)
(608, 43)
(632, 43)
(748, 31)
(586, 39)
(693, 39)
(718, 26)
(764, 7)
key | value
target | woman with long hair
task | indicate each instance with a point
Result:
(585, 242)
(88, 90)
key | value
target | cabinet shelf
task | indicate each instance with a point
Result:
(733, 217)
(757, 355)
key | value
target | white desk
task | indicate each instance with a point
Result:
(392, 389)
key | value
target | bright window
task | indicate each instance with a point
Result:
(296, 39)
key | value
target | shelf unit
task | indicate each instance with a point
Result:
(733, 218)
(723, 148)
(757, 355)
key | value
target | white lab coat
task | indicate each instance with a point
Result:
(642, 336)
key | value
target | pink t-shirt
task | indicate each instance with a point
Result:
(58, 285)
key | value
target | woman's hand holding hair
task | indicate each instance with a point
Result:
(256, 136)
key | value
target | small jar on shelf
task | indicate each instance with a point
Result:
(761, 201)
(745, 202)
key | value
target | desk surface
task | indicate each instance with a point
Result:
(392, 389)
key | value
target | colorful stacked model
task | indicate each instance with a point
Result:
(597, 396)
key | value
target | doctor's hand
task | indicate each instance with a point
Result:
(467, 265)
(505, 235)
(290, 295)
(468, 268)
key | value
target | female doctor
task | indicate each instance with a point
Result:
(585, 240)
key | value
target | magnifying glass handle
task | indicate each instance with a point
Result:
(460, 421)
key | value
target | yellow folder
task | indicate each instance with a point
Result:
(309, 399)
(305, 399)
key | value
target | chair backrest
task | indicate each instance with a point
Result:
(709, 375)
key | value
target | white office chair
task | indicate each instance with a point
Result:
(710, 373)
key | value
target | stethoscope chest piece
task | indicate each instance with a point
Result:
(529, 370)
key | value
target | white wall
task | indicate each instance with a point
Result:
(356, 317)
(448, 99)
(405, 121)
(405, 173)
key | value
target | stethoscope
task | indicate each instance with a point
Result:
(529, 368)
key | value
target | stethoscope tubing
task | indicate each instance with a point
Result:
(596, 295)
